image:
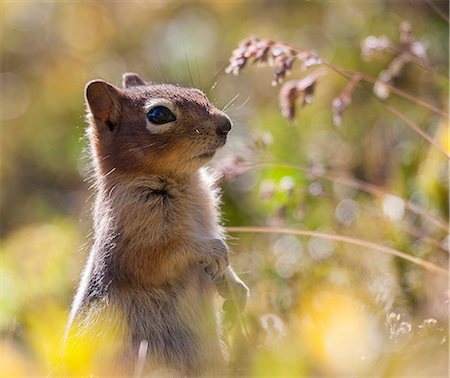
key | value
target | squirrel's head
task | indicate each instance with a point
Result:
(145, 128)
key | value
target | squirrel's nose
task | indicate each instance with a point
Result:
(224, 126)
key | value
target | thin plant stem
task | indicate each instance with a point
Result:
(348, 74)
(437, 10)
(394, 111)
(362, 186)
(418, 62)
(405, 95)
(416, 128)
(419, 234)
(342, 238)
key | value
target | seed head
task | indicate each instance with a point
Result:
(274, 54)
(293, 91)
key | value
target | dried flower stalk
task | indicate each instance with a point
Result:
(292, 91)
(278, 55)
(282, 57)
(409, 49)
(344, 99)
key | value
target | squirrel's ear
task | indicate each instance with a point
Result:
(131, 79)
(104, 101)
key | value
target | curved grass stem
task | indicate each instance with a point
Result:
(342, 238)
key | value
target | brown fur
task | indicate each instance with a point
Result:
(158, 250)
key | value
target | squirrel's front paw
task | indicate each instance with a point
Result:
(215, 260)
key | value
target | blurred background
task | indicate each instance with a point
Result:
(318, 307)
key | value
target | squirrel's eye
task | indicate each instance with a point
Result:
(160, 115)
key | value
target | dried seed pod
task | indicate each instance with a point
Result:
(406, 33)
(338, 108)
(373, 46)
(394, 70)
(344, 99)
(292, 91)
(288, 98)
(397, 65)
(380, 88)
(311, 60)
(407, 50)
(419, 49)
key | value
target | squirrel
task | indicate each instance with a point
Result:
(158, 255)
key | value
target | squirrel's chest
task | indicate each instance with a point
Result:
(170, 211)
(196, 213)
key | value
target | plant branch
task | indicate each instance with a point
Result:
(394, 111)
(282, 56)
(286, 55)
(401, 93)
(418, 62)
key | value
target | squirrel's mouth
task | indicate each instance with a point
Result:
(209, 154)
